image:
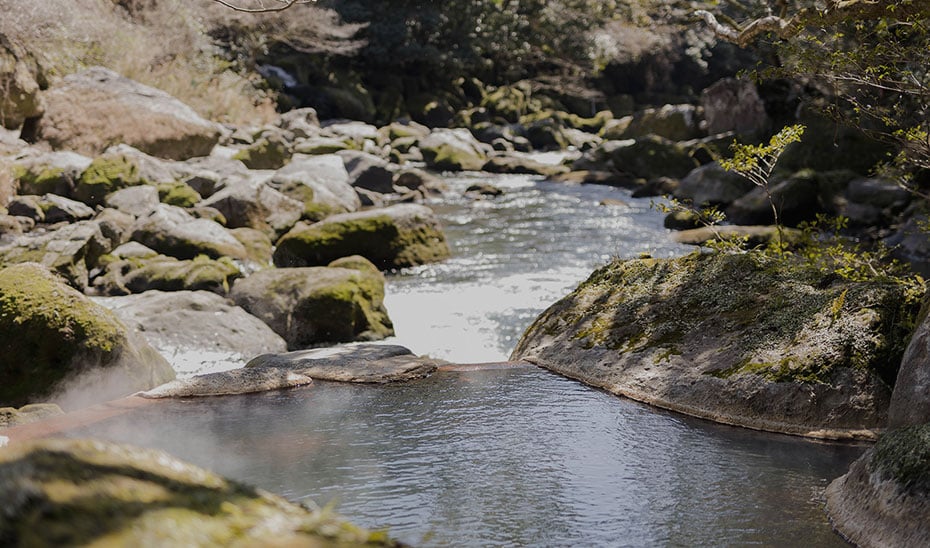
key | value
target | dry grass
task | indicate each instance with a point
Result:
(160, 43)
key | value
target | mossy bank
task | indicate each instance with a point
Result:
(738, 339)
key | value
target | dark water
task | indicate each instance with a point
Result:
(506, 458)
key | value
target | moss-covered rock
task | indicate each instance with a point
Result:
(72, 251)
(106, 174)
(739, 339)
(50, 173)
(59, 344)
(34, 412)
(651, 157)
(82, 492)
(394, 237)
(173, 231)
(257, 244)
(178, 194)
(138, 274)
(270, 152)
(452, 150)
(309, 306)
(884, 499)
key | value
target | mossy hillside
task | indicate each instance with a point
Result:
(47, 330)
(107, 174)
(782, 324)
(82, 492)
(903, 456)
(378, 238)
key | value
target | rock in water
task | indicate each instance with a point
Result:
(236, 381)
(884, 499)
(732, 338)
(81, 492)
(58, 343)
(373, 363)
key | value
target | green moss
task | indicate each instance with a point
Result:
(42, 180)
(178, 194)
(265, 154)
(903, 456)
(50, 326)
(107, 174)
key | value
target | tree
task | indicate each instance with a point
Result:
(873, 54)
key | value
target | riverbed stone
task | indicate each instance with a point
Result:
(71, 251)
(315, 305)
(138, 201)
(226, 383)
(34, 412)
(363, 363)
(884, 498)
(67, 492)
(795, 197)
(710, 185)
(733, 338)
(394, 237)
(140, 273)
(452, 150)
(910, 401)
(674, 122)
(732, 104)
(174, 232)
(272, 151)
(196, 331)
(105, 174)
(651, 156)
(251, 202)
(368, 171)
(91, 110)
(50, 172)
(321, 183)
(60, 346)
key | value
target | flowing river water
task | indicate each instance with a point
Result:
(509, 457)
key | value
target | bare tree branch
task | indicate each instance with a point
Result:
(260, 6)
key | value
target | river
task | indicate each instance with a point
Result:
(513, 457)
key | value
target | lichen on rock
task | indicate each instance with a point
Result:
(733, 338)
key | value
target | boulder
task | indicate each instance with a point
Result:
(91, 110)
(34, 412)
(27, 205)
(732, 104)
(253, 203)
(371, 363)
(673, 122)
(115, 225)
(319, 182)
(884, 498)
(910, 401)
(270, 152)
(257, 244)
(881, 193)
(173, 231)
(209, 175)
(516, 163)
(84, 492)
(452, 150)
(300, 122)
(749, 236)
(58, 209)
(61, 346)
(137, 201)
(196, 331)
(735, 339)
(320, 145)
(795, 198)
(309, 306)
(19, 80)
(368, 171)
(137, 271)
(651, 157)
(50, 173)
(419, 180)
(394, 237)
(357, 132)
(108, 173)
(712, 185)
(225, 383)
(71, 251)
(178, 194)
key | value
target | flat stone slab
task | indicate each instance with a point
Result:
(225, 383)
(365, 363)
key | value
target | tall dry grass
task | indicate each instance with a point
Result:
(162, 43)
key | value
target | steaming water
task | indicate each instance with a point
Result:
(510, 457)
(513, 256)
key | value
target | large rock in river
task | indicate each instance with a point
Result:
(316, 305)
(197, 331)
(82, 492)
(71, 251)
(394, 237)
(58, 344)
(175, 232)
(732, 338)
(373, 363)
(884, 499)
(94, 109)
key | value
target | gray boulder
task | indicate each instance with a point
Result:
(651, 157)
(71, 251)
(795, 198)
(368, 171)
(251, 202)
(50, 172)
(59, 209)
(452, 150)
(19, 80)
(712, 185)
(89, 111)
(78, 352)
(394, 237)
(884, 498)
(300, 122)
(673, 122)
(137, 201)
(734, 105)
(365, 363)
(730, 339)
(225, 383)
(309, 306)
(136, 271)
(318, 181)
(173, 231)
(196, 331)
(910, 401)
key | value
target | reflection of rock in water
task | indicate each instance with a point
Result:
(237, 381)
